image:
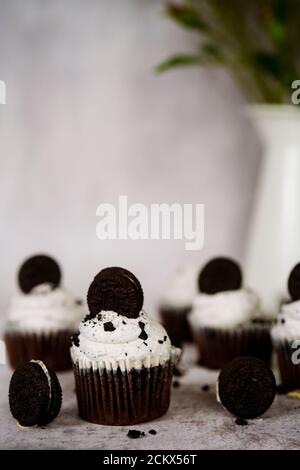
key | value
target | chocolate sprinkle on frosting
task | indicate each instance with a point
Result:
(108, 326)
(143, 335)
(75, 339)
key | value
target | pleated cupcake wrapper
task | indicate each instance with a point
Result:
(217, 347)
(289, 372)
(52, 348)
(176, 323)
(147, 361)
(123, 397)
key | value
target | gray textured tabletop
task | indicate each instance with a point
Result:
(194, 421)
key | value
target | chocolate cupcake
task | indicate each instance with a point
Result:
(226, 319)
(286, 335)
(176, 304)
(123, 360)
(42, 318)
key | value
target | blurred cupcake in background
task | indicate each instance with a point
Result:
(42, 318)
(226, 319)
(176, 304)
(123, 359)
(286, 335)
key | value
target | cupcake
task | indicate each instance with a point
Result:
(286, 335)
(226, 319)
(123, 360)
(42, 318)
(176, 304)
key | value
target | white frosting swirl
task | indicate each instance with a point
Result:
(182, 288)
(227, 309)
(110, 340)
(287, 326)
(44, 310)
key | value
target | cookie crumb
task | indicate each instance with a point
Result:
(177, 372)
(134, 434)
(108, 326)
(143, 335)
(176, 384)
(205, 388)
(152, 431)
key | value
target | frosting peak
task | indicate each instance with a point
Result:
(225, 309)
(44, 309)
(287, 326)
(113, 340)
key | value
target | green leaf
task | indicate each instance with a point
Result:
(186, 16)
(178, 60)
(276, 32)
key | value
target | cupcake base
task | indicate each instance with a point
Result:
(217, 347)
(127, 397)
(51, 348)
(289, 372)
(176, 323)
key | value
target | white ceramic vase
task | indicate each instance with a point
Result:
(274, 237)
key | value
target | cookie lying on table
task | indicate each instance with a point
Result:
(35, 395)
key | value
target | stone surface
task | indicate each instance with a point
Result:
(195, 421)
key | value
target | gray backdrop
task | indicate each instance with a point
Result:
(87, 119)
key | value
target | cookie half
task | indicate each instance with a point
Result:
(294, 283)
(246, 387)
(219, 275)
(118, 290)
(35, 395)
(39, 269)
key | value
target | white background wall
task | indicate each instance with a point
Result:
(87, 119)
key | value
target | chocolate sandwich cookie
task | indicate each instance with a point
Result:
(294, 283)
(246, 387)
(35, 395)
(39, 269)
(219, 275)
(118, 290)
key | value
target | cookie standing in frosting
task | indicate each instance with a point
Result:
(286, 335)
(43, 305)
(226, 319)
(287, 324)
(42, 317)
(110, 336)
(222, 302)
(120, 355)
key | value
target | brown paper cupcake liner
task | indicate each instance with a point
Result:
(51, 348)
(289, 372)
(117, 397)
(176, 323)
(217, 347)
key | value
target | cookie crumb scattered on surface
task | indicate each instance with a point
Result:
(205, 388)
(177, 372)
(176, 384)
(152, 431)
(135, 434)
